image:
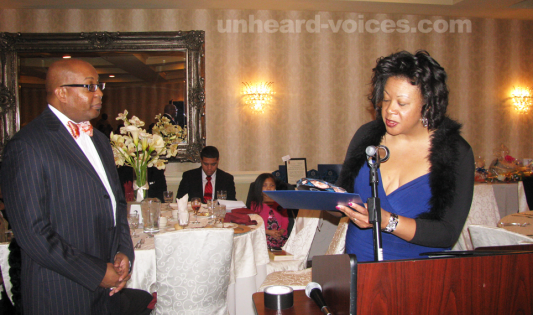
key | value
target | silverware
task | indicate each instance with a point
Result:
(138, 244)
(514, 224)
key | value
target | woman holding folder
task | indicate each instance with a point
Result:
(426, 186)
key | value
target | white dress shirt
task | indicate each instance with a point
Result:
(87, 147)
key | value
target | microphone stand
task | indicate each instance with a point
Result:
(374, 207)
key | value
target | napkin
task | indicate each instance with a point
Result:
(239, 218)
(243, 211)
(182, 203)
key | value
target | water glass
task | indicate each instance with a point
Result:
(220, 214)
(133, 221)
(211, 218)
(183, 216)
(151, 211)
(222, 195)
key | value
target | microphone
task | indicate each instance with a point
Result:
(372, 151)
(313, 291)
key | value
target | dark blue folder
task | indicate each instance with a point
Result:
(312, 200)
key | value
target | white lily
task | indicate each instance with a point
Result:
(134, 131)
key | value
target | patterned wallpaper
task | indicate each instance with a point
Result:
(320, 63)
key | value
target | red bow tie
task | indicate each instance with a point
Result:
(84, 126)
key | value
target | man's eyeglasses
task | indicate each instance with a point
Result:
(90, 87)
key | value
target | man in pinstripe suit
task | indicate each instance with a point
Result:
(65, 203)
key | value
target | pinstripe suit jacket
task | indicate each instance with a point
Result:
(62, 217)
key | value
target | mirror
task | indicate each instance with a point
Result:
(143, 72)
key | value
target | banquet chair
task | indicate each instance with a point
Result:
(193, 271)
(486, 236)
(483, 211)
(299, 279)
(299, 242)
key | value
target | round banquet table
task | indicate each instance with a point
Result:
(522, 217)
(248, 263)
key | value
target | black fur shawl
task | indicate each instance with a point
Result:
(443, 158)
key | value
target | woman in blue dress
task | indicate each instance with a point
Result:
(426, 186)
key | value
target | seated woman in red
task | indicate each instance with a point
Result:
(275, 217)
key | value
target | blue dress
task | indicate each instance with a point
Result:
(409, 200)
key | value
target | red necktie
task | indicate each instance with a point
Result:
(208, 192)
(84, 127)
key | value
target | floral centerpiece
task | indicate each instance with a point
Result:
(139, 149)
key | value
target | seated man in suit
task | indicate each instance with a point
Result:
(204, 182)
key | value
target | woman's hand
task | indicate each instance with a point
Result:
(405, 229)
(277, 234)
(359, 217)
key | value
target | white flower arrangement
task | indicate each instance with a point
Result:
(139, 149)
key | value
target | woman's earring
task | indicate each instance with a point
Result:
(424, 121)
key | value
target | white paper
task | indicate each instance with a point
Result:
(232, 204)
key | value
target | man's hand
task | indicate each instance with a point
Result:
(111, 277)
(122, 268)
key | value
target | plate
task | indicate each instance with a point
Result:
(230, 225)
(241, 229)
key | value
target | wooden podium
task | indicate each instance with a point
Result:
(500, 282)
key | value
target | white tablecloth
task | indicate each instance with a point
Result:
(248, 265)
(510, 197)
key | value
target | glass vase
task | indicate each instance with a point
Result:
(140, 183)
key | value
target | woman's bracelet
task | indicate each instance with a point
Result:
(393, 223)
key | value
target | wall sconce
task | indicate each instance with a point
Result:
(522, 99)
(257, 95)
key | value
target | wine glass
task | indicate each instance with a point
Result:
(168, 196)
(133, 221)
(196, 203)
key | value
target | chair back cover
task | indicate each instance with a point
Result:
(298, 279)
(301, 238)
(483, 211)
(193, 271)
(338, 242)
(484, 236)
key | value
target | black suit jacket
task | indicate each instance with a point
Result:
(62, 218)
(191, 183)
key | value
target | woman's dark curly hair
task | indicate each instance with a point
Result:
(257, 196)
(421, 70)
